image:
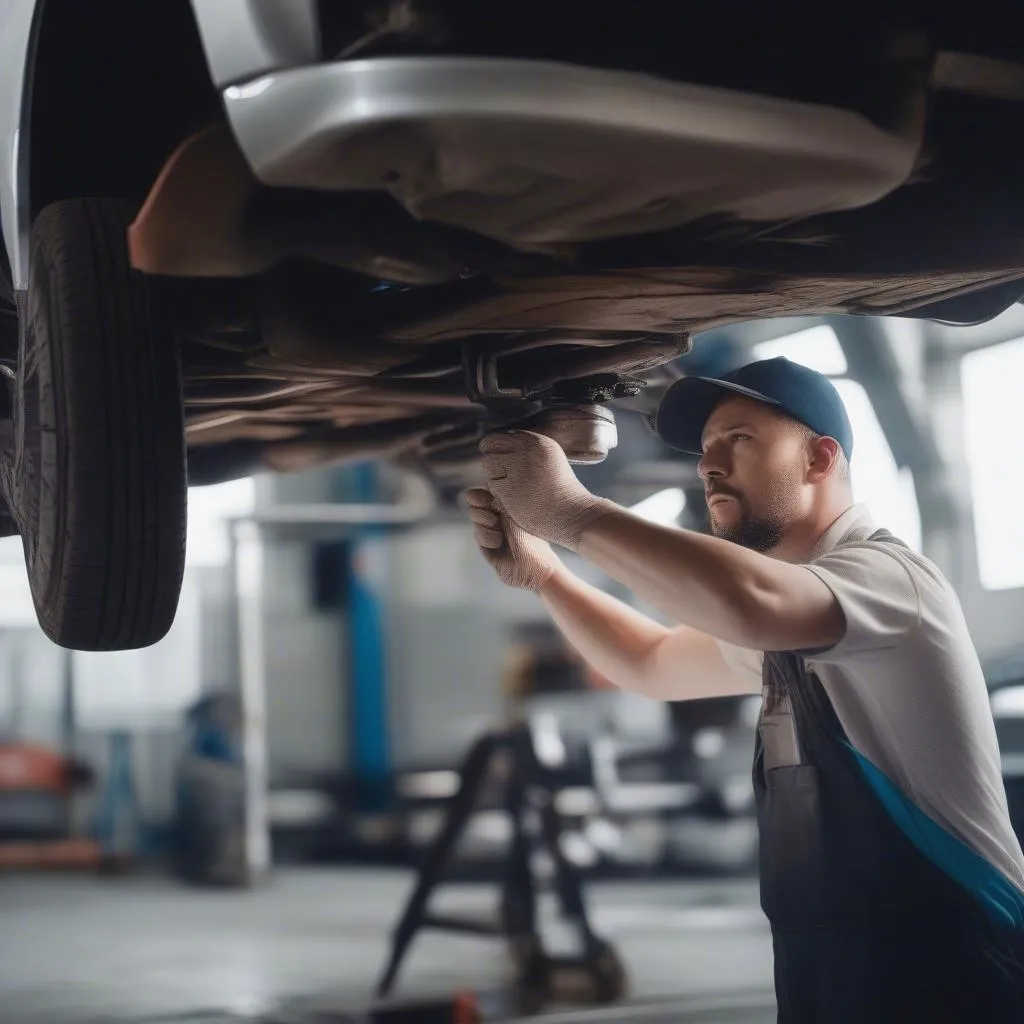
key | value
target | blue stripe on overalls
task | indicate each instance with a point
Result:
(1002, 900)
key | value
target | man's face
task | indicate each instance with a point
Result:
(754, 470)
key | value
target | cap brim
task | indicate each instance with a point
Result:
(685, 407)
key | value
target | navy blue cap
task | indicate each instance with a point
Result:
(801, 393)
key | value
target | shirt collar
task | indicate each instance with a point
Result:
(853, 525)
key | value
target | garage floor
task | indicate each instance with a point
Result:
(82, 950)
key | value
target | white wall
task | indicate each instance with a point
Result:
(447, 622)
(304, 648)
(304, 652)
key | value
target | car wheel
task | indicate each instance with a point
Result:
(97, 482)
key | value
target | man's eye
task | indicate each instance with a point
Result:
(741, 437)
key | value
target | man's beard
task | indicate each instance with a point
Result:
(761, 534)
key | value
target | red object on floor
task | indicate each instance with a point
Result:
(24, 766)
(52, 854)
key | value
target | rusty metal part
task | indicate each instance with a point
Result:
(352, 391)
(283, 391)
(208, 216)
(192, 222)
(693, 299)
(586, 433)
(379, 441)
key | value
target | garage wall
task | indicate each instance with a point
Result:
(447, 620)
(31, 691)
(443, 683)
(217, 618)
(450, 624)
(305, 659)
(305, 650)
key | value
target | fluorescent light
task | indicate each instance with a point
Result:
(663, 507)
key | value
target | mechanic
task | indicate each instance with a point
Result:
(889, 871)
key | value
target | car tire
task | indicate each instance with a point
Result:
(97, 483)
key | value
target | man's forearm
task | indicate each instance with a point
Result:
(611, 637)
(708, 584)
(632, 651)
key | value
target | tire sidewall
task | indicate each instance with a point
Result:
(40, 469)
(96, 468)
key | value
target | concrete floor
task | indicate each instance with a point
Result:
(80, 950)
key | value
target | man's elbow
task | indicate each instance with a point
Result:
(648, 676)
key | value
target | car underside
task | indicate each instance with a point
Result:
(462, 217)
(323, 322)
(482, 279)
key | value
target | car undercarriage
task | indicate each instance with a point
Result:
(499, 234)
(385, 229)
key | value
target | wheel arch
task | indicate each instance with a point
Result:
(112, 88)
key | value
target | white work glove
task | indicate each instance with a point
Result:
(533, 482)
(518, 559)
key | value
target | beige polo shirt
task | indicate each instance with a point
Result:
(908, 689)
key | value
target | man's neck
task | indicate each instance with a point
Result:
(802, 537)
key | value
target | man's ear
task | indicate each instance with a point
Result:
(825, 454)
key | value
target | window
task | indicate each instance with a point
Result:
(209, 509)
(663, 507)
(994, 439)
(817, 348)
(877, 481)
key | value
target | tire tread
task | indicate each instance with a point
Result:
(117, 563)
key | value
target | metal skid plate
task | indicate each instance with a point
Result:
(535, 153)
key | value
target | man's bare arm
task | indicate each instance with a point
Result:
(734, 594)
(633, 651)
(712, 585)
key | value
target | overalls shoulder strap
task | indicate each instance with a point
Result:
(884, 535)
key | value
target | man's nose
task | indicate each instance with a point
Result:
(709, 467)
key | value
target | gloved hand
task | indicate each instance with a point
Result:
(533, 482)
(519, 560)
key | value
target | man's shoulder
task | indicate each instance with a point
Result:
(882, 543)
(883, 552)
(892, 597)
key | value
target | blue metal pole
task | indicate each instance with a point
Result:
(368, 707)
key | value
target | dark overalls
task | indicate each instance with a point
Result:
(865, 928)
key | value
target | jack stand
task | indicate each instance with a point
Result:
(596, 976)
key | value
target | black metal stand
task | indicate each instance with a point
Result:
(594, 976)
